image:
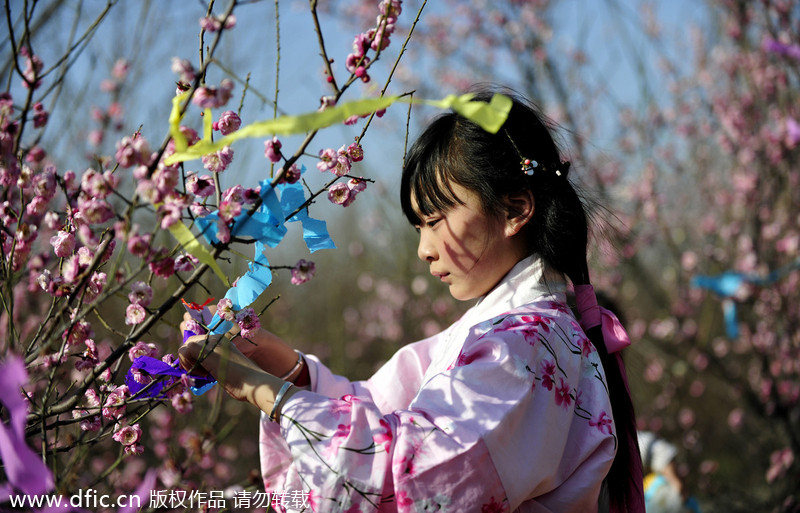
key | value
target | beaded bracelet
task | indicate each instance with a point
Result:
(276, 406)
(296, 367)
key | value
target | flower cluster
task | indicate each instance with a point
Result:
(217, 23)
(113, 115)
(232, 204)
(186, 74)
(33, 67)
(345, 193)
(340, 162)
(213, 97)
(376, 38)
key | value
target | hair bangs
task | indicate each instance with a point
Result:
(429, 172)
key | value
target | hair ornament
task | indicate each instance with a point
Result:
(528, 166)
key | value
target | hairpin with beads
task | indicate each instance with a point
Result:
(528, 166)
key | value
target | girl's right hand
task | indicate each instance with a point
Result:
(265, 349)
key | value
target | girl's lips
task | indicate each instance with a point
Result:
(441, 276)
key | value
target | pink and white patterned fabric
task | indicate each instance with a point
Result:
(506, 410)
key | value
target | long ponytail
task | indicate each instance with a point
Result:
(563, 242)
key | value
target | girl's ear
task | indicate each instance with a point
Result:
(519, 211)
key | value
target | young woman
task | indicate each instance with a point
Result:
(515, 407)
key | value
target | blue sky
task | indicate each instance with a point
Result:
(151, 37)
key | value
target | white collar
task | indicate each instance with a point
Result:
(528, 280)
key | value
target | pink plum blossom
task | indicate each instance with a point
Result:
(114, 407)
(229, 210)
(162, 265)
(182, 402)
(89, 358)
(215, 23)
(213, 97)
(96, 285)
(342, 165)
(327, 159)
(35, 155)
(291, 175)
(132, 151)
(272, 149)
(355, 152)
(248, 322)
(303, 271)
(95, 211)
(139, 244)
(63, 243)
(201, 186)
(184, 69)
(223, 231)
(134, 314)
(33, 66)
(185, 262)
(225, 309)
(99, 185)
(78, 333)
(142, 349)
(356, 185)
(339, 193)
(39, 115)
(89, 422)
(141, 293)
(228, 122)
(218, 161)
(127, 435)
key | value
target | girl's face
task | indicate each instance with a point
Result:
(467, 249)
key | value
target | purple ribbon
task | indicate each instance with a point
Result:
(24, 468)
(155, 368)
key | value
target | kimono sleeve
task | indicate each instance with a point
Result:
(391, 388)
(486, 434)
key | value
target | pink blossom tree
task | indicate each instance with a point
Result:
(95, 264)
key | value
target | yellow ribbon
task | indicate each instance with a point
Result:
(490, 116)
(190, 243)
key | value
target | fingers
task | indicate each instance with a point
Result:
(213, 354)
(189, 353)
(240, 377)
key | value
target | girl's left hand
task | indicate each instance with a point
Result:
(242, 379)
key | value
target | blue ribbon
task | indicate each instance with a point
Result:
(267, 227)
(728, 284)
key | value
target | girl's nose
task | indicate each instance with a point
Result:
(426, 251)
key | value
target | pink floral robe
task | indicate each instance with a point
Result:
(506, 410)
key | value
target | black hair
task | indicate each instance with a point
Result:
(453, 149)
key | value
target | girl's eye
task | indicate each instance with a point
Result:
(432, 222)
